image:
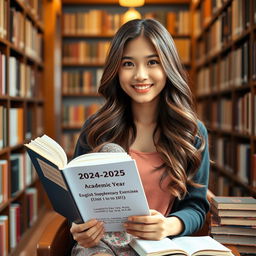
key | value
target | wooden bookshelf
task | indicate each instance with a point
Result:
(224, 66)
(22, 105)
(81, 72)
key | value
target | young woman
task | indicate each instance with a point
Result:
(149, 112)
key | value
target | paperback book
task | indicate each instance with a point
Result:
(101, 185)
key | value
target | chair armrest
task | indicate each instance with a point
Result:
(56, 238)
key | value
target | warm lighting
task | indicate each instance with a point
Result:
(131, 3)
(131, 14)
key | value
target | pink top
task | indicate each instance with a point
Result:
(158, 197)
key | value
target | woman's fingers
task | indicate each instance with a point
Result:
(93, 240)
(147, 227)
(76, 228)
(88, 234)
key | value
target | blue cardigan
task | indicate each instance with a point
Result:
(194, 206)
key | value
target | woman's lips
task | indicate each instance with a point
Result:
(142, 88)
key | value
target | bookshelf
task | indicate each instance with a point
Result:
(224, 65)
(21, 119)
(88, 27)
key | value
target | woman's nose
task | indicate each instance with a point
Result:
(141, 73)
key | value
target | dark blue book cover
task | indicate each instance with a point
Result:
(55, 185)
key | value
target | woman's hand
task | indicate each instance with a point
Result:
(153, 227)
(88, 234)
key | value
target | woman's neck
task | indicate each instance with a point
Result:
(145, 114)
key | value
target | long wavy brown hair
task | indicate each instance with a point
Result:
(177, 121)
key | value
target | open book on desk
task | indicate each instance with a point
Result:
(103, 185)
(186, 245)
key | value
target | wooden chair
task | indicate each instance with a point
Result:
(56, 239)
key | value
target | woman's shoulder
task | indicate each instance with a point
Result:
(202, 134)
(202, 128)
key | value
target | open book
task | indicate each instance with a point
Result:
(186, 245)
(102, 185)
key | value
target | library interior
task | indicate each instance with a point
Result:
(52, 55)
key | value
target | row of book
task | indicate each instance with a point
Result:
(92, 22)
(233, 222)
(16, 126)
(35, 7)
(231, 71)
(34, 41)
(12, 225)
(86, 81)
(3, 19)
(24, 35)
(178, 23)
(240, 163)
(234, 20)
(220, 118)
(224, 114)
(221, 185)
(22, 172)
(101, 22)
(243, 109)
(84, 52)
(22, 78)
(75, 115)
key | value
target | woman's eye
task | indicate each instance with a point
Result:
(153, 62)
(127, 64)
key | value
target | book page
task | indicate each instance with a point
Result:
(194, 244)
(39, 143)
(108, 192)
(49, 149)
(163, 246)
(56, 147)
(44, 153)
(92, 158)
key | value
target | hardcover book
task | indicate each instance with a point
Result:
(187, 246)
(232, 212)
(102, 185)
(234, 202)
(237, 221)
(217, 228)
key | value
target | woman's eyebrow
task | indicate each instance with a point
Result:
(147, 57)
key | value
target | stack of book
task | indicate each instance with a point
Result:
(233, 222)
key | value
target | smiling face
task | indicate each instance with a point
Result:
(141, 74)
